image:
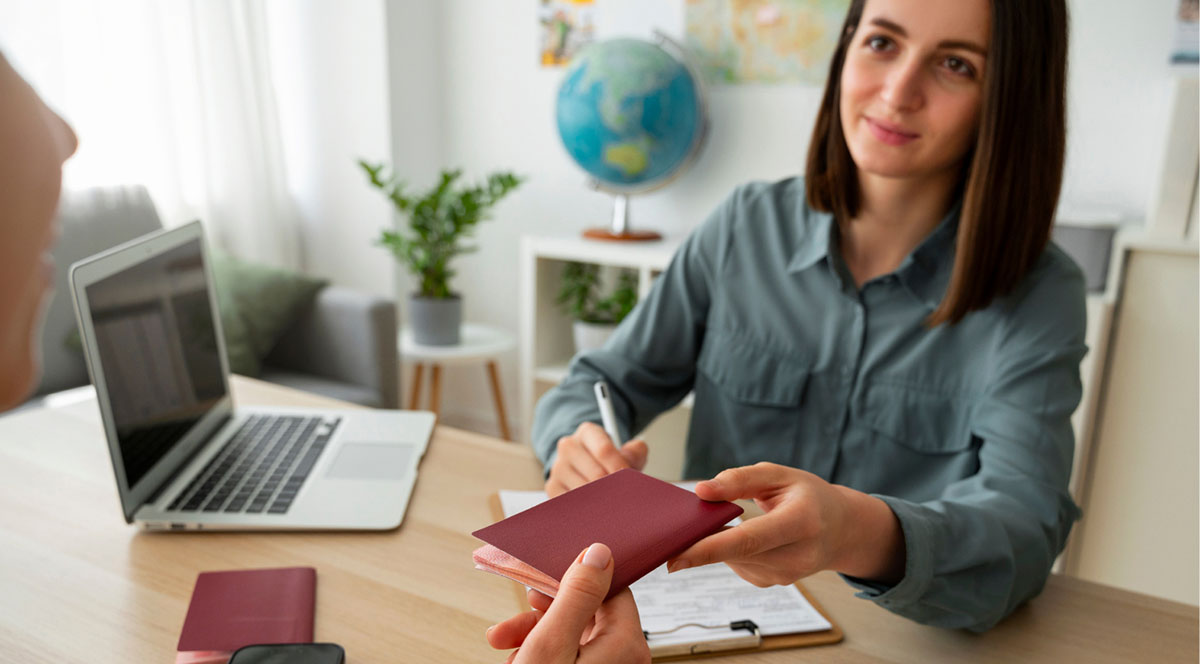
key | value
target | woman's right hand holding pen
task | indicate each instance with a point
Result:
(589, 454)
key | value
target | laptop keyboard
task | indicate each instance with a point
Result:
(261, 467)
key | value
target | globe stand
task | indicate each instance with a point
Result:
(620, 232)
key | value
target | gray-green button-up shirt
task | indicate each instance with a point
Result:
(964, 430)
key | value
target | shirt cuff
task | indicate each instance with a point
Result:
(918, 529)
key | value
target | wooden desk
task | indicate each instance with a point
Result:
(78, 585)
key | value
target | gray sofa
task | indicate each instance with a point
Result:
(343, 347)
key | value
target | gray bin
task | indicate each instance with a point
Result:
(1090, 246)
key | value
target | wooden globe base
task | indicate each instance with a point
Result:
(627, 236)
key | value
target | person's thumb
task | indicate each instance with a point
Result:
(580, 594)
(635, 453)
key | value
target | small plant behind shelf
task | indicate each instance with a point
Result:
(580, 295)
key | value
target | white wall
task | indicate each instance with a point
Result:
(1119, 96)
(330, 61)
(499, 104)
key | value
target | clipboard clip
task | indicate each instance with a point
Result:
(697, 646)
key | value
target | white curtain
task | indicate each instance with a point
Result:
(177, 95)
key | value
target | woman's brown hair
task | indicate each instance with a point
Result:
(1011, 177)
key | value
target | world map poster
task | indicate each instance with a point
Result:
(566, 27)
(764, 41)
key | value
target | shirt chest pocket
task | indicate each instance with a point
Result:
(923, 422)
(750, 374)
(755, 398)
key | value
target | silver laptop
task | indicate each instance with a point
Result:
(185, 458)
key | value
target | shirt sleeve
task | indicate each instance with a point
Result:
(650, 361)
(987, 543)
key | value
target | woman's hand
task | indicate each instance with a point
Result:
(809, 525)
(589, 454)
(577, 625)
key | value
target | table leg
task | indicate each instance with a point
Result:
(435, 388)
(415, 399)
(493, 373)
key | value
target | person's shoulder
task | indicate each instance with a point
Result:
(1055, 277)
(788, 191)
(1049, 302)
(761, 203)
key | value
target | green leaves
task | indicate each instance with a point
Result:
(439, 220)
(579, 295)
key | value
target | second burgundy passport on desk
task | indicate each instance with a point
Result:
(645, 521)
(238, 608)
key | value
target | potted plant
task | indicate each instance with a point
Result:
(439, 220)
(595, 315)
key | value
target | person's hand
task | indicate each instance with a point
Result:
(809, 525)
(577, 625)
(589, 454)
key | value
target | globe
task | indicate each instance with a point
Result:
(631, 114)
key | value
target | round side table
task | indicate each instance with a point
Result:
(477, 343)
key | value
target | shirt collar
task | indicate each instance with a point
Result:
(814, 245)
(925, 272)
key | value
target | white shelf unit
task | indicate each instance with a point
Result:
(546, 345)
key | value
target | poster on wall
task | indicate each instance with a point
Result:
(764, 41)
(566, 26)
(1187, 33)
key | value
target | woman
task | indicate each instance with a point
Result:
(34, 143)
(884, 354)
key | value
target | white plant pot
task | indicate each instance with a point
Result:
(590, 336)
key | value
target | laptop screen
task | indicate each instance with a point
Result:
(158, 348)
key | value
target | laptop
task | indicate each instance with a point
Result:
(184, 457)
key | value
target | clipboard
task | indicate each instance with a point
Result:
(778, 642)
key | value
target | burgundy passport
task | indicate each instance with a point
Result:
(643, 520)
(245, 607)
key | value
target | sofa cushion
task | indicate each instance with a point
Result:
(258, 304)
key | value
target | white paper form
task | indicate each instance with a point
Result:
(708, 595)
(715, 595)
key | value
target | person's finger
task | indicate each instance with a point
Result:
(603, 449)
(751, 573)
(580, 594)
(554, 486)
(541, 602)
(586, 465)
(577, 477)
(635, 453)
(746, 482)
(569, 476)
(537, 600)
(617, 636)
(752, 537)
(511, 633)
(619, 615)
(764, 575)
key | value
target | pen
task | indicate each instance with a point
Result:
(607, 416)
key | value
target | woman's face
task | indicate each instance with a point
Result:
(912, 85)
(34, 143)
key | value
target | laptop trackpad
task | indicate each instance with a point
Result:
(371, 461)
